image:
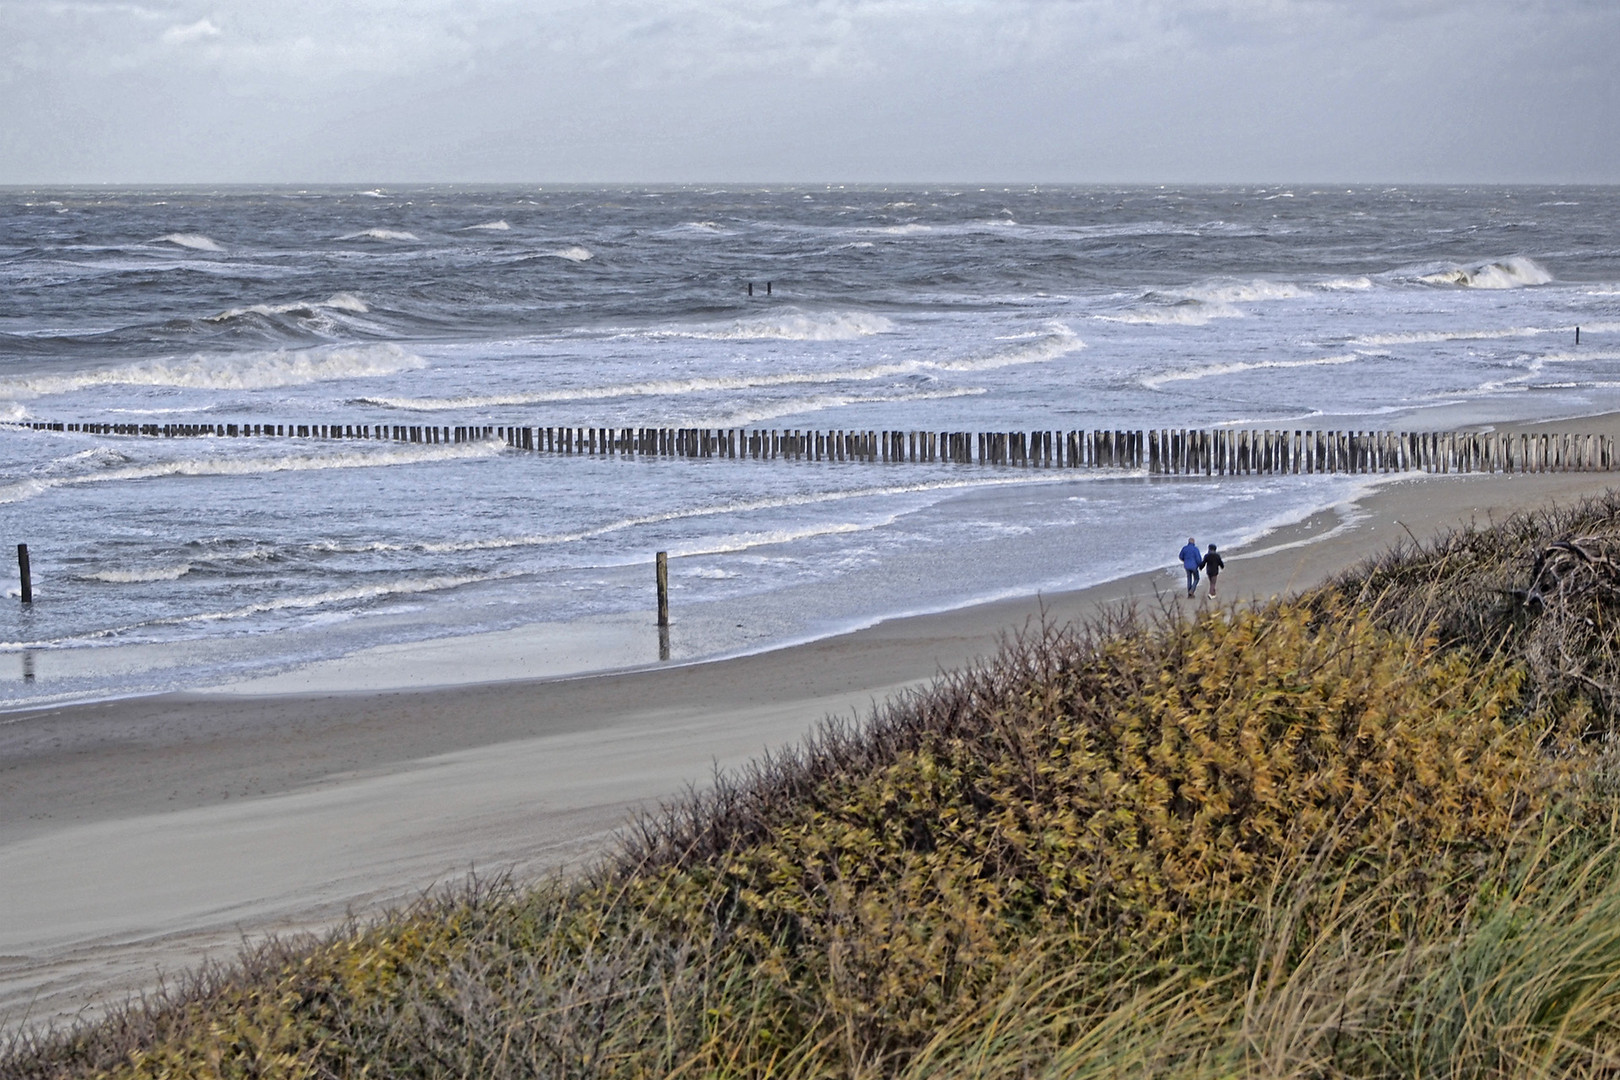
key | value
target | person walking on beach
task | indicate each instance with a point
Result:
(1193, 560)
(1213, 565)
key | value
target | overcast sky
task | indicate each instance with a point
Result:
(663, 91)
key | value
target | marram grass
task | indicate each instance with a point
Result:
(1319, 838)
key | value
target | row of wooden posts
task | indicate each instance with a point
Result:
(1160, 451)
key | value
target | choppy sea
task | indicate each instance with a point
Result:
(193, 563)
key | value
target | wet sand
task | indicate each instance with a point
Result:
(143, 836)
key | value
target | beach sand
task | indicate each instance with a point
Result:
(143, 836)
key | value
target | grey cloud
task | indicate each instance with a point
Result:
(840, 89)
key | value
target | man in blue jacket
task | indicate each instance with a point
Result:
(1193, 560)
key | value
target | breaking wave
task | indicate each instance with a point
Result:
(228, 371)
(789, 326)
(574, 253)
(336, 302)
(381, 234)
(355, 456)
(743, 416)
(194, 241)
(1515, 272)
(136, 577)
(1057, 341)
(1197, 305)
(741, 506)
(489, 226)
(1430, 337)
(1155, 382)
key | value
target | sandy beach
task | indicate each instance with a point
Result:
(143, 836)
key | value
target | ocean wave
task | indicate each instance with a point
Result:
(336, 302)
(141, 576)
(194, 241)
(1515, 272)
(1180, 313)
(1241, 292)
(229, 371)
(1155, 382)
(788, 326)
(738, 506)
(1350, 284)
(1055, 342)
(1584, 356)
(574, 253)
(744, 416)
(489, 226)
(381, 234)
(356, 455)
(1431, 337)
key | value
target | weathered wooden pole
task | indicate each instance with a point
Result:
(662, 567)
(24, 574)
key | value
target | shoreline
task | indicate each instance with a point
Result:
(142, 835)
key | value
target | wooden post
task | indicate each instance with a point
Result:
(24, 574)
(662, 569)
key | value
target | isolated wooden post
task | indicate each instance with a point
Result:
(663, 588)
(24, 574)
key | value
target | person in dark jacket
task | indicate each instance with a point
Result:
(1193, 560)
(1213, 565)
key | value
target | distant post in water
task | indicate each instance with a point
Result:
(768, 292)
(663, 588)
(23, 573)
(1577, 335)
(750, 288)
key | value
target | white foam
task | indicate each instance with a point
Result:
(194, 241)
(336, 302)
(744, 416)
(381, 234)
(489, 226)
(789, 326)
(1430, 337)
(229, 371)
(1057, 340)
(1242, 292)
(1353, 284)
(1155, 382)
(572, 254)
(130, 577)
(740, 506)
(1184, 313)
(355, 455)
(1515, 272)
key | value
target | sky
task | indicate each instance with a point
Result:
(809, 91)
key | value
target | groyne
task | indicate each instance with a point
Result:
(1156, 451)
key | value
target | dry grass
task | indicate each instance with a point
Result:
(1367, 833)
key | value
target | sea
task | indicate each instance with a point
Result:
(197, 564)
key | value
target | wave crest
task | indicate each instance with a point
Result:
(336, 302)
(194, 241)
(382, 234)
(790, 326)
(353, 456)
(1515, 272)
(229, 371)
(1156, 382)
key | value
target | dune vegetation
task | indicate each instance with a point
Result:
(1372, 830)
